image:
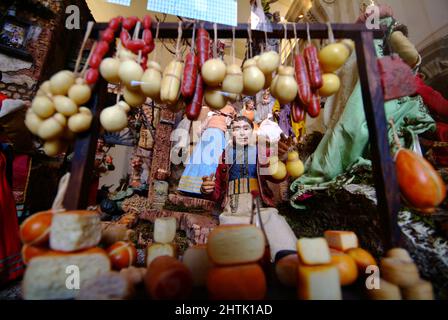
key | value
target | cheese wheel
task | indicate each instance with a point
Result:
(243, 282)
(168, 278)
(122, 254)
(133, 274)
(46, 276)
(286, 270)
(341, 240)
(362, 258)
(313, 251)
(159, 249)
(235, 244)
(108, 286)
(35, 230)
(165, 229)
(387, 291)
(318, 283)
(29, 252)
(422, 290)
(253, 78)
(348, 270)
(197, 261)
(399, 253)
(399, 272)
(75, 230)
(233, 82)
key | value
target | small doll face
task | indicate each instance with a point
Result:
(241, 132)
(250, 105)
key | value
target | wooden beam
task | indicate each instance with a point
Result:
(83, 161)
(317, 30)
(387, 191)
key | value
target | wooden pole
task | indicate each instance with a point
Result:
(387, 192)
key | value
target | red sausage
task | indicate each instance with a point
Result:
(102, 48)
(95, 61)
(124, 37)
(114, 24)
(147, 21)
(147, 36)
(312, 63)
(92, 76)
(203, 46)
(190, 75)
(135, 45)
(313, 108)
(108, 35)
(130, 23)
(297, 110)
(302, 79)
(193, 109)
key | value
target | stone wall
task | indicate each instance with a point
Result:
(50, 46)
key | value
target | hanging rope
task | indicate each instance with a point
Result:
(179, 38)
(90, 25)
(157, 38)
(215, 43)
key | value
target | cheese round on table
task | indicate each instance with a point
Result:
(286, 270)
(318, 283)
(108, 286)
(75, 230)
(399, 253)
(348, 270)
(386, 291)
(422, 290)
(243, 282)
(399, 272)
(235, 244)
(133, 274)
(362, 258)
(341, 240)
(168, 279)
(29, 252)
(197, 261)
(165, 229)
(35, 230)
(47, 276)
(159, 249)
(313, 251)
(122, 254)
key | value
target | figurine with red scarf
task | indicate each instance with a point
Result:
(243, 172)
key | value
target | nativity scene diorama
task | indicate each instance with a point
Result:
(290, 155)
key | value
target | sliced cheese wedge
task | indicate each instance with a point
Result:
(341, 240)
(318, 283)
(313, 251)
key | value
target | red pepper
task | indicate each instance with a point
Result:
(190, 75)
(108, 35)
(92, 76)
(312, 63)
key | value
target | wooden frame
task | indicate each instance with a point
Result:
(383, 167)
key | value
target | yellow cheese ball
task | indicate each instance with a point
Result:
(81, 121)
(109, 70)
(61, 82)
(215, 99)
(54, 147)
(331, 85)
(295, 168)
(32, 121)
(65, 105)
(43, 107)
(213, 72)
(80, 93)
(133, 98)
(333, 56)
(130, 71)
(268, 62)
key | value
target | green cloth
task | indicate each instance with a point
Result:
(348, 144)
